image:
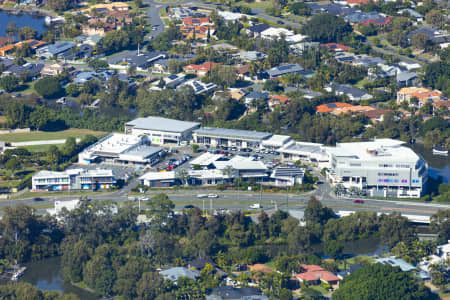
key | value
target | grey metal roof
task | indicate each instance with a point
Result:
(232, 293)
(60, 47)
(362, 16)
(232, 133)
(162, 124)
(257, 95)
(406, 76)
(175, 273)
(284, 69)
(349, 90)
(144, 151)
(258, 27)
(288, 172)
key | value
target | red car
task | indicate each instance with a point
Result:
(358, 201)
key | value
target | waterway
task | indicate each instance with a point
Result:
(46, 275)
(21, 20)
(438, 165)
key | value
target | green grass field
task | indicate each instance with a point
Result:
(41, 135)
(42, 148)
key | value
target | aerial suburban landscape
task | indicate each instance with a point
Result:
(215, 149)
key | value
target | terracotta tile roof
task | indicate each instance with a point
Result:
(205, 67)
(352, 109)
(196, 21)
(3, 40)
(314, 272)
(279, 99)
(243, 69)
(335, 46)
(329, 107)
(376, 113)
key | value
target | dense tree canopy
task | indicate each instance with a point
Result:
(382, 282)
(49, 87)
(327, 28)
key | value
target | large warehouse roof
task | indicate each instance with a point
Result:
(162, 124)
(232, 133)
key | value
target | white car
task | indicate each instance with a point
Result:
(144, 199)
(255, 206)
(213, 196)
(202, 196)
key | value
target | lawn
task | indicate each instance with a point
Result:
(41, 135)
(264, 4)
(42, 148)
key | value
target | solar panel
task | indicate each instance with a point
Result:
(331, 105)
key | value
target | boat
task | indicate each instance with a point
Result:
(49, 20)
(437, 150)
(17, 274)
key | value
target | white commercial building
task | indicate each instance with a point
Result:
(383, 167)
(161, 130)
(121, 149)
(276, 141)
(73, 179)
(223, 137)
(305, 152)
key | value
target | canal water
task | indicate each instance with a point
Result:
(21, 20)
(46, 275)
(438, 165)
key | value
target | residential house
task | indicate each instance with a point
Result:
(202, 21)
(352, 93)
(161, 66)
(299, 48)
(411, 13)
(440, 256)
(141, 60)
(275, 33)
(243, 72)
(252, 56)
(278, 100)
(233, 293)
(296, 38)
(52, 69)
(335, 47)
(359, 16)
(253, 96)
(287, 176)
(200, 87)
(199, 70)
(255, 30)
(56, 49)
(353, 3)
(314, 275)
(10, 48)
(230, 16)
(407, 78)
(238, 94)
(377, 22)
(176, 273)
(436, 35)
(197, 32)
(284, 69)
(88, 39)
(334, 9)
(352, 110)
(180, 13)
(82, 77)
(330, 107)
(423, 95)
(376, 115)
(30, 69)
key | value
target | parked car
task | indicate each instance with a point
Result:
(255, 206)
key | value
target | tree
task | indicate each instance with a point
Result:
(72, 90)
(160, 208)
(183, 175)
(382, 282)
(60, 5)
(12, 164)
(131, 70)
(420, 41)
(98, 64)
(229, 172)
(49, 87)
(138, 3)
(27, 33)
(9, 83)
(11, 30)
(326, 28)
(149, 286)
(435, 17)
(175, 66)
(440, 223)
(333, 248)
(315, 213)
